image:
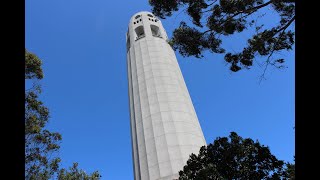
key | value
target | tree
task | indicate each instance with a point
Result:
(234, 158)
(74, 173)
(229, 17)
(41, 145)
(291, 171)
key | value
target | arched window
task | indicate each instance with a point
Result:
(139, 32)
(155, 30)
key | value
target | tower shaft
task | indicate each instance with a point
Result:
(164, 126)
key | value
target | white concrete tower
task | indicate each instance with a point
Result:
(164, 126)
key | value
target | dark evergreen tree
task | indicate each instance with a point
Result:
(212, 20)
(235, 158)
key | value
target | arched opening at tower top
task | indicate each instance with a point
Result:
(155, 30)
(139, 32)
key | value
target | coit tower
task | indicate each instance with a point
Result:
(164, 126)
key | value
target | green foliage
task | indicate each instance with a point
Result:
(41, 145)
(76, 174)
(163, 8)
(189, 41)
(290, 171)
(32, 66)
(234, 158)
(225, 18)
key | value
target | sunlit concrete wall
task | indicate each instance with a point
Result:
(164, 126)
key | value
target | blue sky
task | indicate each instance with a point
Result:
(82, 45)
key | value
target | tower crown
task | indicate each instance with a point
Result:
(144, 25)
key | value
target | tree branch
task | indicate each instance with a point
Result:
(248, 12)
(266, 67)
(287, 25)
(283, 28)
(273, 50)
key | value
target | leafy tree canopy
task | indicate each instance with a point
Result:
(41, 145)
(212, 20)
(235, 158)
(75, 174)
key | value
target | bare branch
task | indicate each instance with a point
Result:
(266, 67)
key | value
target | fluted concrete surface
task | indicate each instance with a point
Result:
(164, 126)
